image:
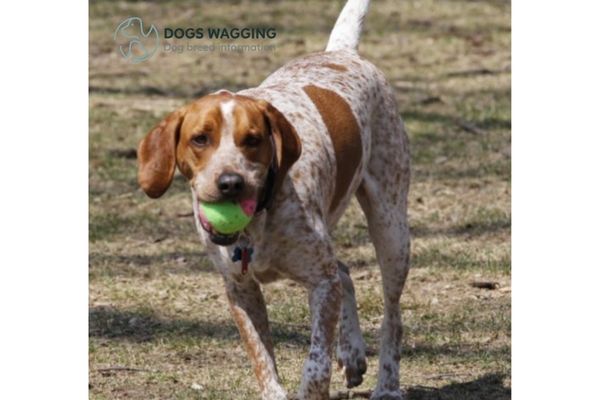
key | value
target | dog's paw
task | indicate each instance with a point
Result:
(354, 368)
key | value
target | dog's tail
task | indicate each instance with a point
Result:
(346, 32)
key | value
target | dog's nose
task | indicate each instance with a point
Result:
(230, 184)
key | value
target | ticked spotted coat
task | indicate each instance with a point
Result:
(321, 129)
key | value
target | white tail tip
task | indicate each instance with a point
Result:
(346, 32)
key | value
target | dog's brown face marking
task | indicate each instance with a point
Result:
(218, 133)
(235, 138)
(202, 118)
(251, 134)
(345, 136)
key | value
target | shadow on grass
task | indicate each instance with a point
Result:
(489, 387)
(172, 262)
(499, 168)
(108, 226)
(439, 258)
(485, 123)
(165, 92)
(459, 350)
(141, 326)
(472, 228)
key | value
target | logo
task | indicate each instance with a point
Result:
(135, 44)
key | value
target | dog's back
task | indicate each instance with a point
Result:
(334, 98)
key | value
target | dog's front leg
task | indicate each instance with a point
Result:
(250, 314)
(325, 302)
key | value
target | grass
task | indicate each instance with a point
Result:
(156, 305)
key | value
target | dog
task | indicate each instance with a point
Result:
(321, 129)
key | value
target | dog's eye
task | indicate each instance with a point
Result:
(200, 140)
(252, 141)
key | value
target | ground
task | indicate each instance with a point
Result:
(159, 325)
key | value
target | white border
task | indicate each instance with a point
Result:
(43, 166)
(44, 213)
(556, 143)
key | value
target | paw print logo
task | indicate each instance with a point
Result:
(135, 44)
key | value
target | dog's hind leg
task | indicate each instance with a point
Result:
(389, 232)
(351, 345)
(383, 197)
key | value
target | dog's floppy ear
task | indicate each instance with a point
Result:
(156, 155)
(288, 146)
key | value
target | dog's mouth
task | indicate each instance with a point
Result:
(217, 238)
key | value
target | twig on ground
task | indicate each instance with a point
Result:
(485, 285)
(446, 375)
(129, 153)
(120, 368)
(422, 387)
(478, 71)
(430, 100)
(342, 395)
(469, 127)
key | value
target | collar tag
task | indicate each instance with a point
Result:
(243, 253)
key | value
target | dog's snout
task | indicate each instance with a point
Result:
(230, 184)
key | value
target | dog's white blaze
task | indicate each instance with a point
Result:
(227, 113)
(226, 154)
(228, 151)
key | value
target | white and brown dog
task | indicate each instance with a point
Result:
(321, 129)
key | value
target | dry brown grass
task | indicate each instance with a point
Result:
(156, 305)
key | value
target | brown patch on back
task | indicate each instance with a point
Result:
(336, 67)
(345, 136)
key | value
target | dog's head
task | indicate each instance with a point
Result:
(224, 144)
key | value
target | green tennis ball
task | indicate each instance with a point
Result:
(226, 217)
